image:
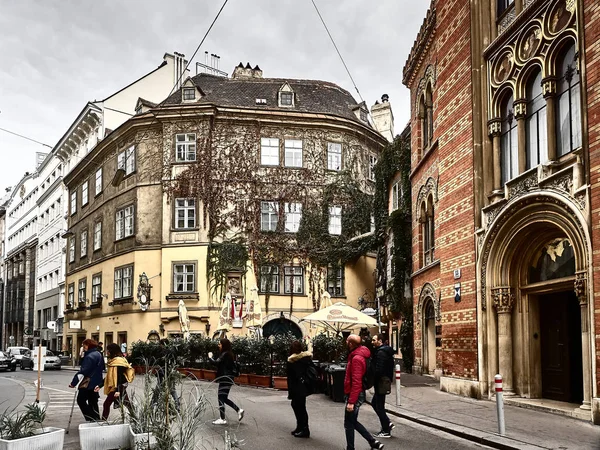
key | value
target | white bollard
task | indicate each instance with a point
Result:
(397, 384)
(500, 404)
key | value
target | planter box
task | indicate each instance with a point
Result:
(280, 383)
(51, 439)
(97, 436)
(259, 380)
(141, 441)
(190, 373)
(242, 379)
(209, 374)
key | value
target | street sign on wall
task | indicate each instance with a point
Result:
(75, 324)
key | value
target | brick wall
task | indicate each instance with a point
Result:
(591, 16)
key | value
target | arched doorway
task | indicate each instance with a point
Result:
(429, 356)
(281, 326)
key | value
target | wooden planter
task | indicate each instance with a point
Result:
(259, 380)
(280, 383)
(242, 379)
(209, 375)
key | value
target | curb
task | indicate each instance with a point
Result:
(477, 436)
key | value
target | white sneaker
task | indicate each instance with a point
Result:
(240, 414)
(220, 422)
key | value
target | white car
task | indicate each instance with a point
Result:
(17, 352)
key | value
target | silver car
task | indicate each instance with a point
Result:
(52, 361)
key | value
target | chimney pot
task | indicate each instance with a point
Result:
(385, 98)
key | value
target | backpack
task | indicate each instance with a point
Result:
(368, 380)
(310, 379)
(236, 369)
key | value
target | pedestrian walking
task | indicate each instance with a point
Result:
(298, 365)
(225, 373)
(92, 366)
(355, 393)
(163, 381)
(118, 376)
(382, 363)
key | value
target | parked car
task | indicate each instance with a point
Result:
(65, 358)
(52, 361)
(7, 362)
(17, 352)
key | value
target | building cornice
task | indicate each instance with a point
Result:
(420, 47)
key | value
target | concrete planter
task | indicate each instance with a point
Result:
(259, 380)
(209, 375)
(242, 379)
(97, 436)
(141, 441)
(50, 439)
(280, 383)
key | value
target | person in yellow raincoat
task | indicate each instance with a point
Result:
(118, 375)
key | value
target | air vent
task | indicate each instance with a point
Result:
(261, 101)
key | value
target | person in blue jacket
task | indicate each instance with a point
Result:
(92, 366)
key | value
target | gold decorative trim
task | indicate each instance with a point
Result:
(504, 299)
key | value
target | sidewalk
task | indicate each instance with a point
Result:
(422, 402)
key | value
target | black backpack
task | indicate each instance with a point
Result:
(310, 379)
(368, 380)
(236, 369)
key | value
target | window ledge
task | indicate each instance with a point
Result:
(182, 163)
(184, 230)
(121, 301)
(124, 238)
(426, 268)
(176, 296)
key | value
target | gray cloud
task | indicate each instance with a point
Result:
(57, 55)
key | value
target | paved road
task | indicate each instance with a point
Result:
(266, 426)
(11, 393)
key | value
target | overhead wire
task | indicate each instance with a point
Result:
(25, 137)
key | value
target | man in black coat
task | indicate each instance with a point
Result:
(382, 363)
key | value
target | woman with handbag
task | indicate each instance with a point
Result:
(118, 376)
(297, 368)
(226, 371)
(92, 366)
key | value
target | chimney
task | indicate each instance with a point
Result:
(383, 119)
(178, 69)
(246, 72)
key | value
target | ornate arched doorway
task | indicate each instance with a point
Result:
(281, 326)
(534, 301)
(429, 355)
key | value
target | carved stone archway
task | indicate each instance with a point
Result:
(287, 316)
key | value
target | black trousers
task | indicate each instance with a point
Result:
(299, 407)
(378, 404)
(87, 400)
(223, 397)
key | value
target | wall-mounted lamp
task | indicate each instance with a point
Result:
(67, 234)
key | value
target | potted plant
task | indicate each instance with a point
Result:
(25, 430)
(240, 346)
(102, 435)
(208, 370)
(259, 353)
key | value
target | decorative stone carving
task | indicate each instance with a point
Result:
(504, 299)
(580, 287)
(523, 185)
(563, 184)
(428, 291)
(430, 186)
(520, 109)
(530, 43)
(503, 67)
(494, 127)
(549, 87)
(508, 18)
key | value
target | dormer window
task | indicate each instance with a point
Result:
(189, 93)
(286, 98)
(138, 110)
(363, 115)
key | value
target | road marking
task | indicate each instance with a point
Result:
(56, 390)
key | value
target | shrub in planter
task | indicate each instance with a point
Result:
(329, 348)
(24, 430)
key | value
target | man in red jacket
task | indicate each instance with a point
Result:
(355, 394)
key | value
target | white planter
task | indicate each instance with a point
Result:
(99, 436)
(141, 441)
(51, 439)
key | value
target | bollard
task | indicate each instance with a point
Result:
(500, 404)
(397, 384)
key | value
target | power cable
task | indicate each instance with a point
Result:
(337, 50)
(25, 137)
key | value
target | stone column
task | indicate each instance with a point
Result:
(520, 114)
(581, 292)
(518, 6)
(549, 92)
(495, 130)
(504, 300)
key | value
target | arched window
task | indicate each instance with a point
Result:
(568, 105)
(428, 226)
(537, 133)
(426, 107)
(509, 142)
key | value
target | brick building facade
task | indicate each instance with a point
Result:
(505, 190)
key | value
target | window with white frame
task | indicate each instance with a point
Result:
(335, 220)
(293, 153)
(335, 280)
(293, 215)
(269, 212)
(185, 147)
(123, 282)
(286, 99)
(98, 181)
(184, 277)
(396, 189)
(293, 280)
(73, 205)
(84, 193)
(72, 249)
(372, 164)
(97, 236)
(83, 244)
(96, 288)
(71, 295)
(126, 160)
(269, 151)
(189, 93)
(269, 279)
(185, 213)
(334, 156)
(82, 290)
(124, 222)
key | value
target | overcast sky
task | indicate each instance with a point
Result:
(58, 54)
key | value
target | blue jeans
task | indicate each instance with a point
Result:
(378, 404)
(351, 423)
